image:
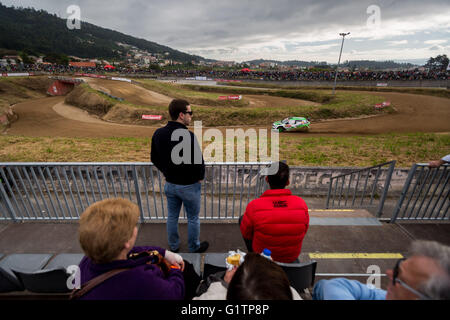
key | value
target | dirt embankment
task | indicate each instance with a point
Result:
(85, 98)
(132, 93)
(16, 90)
(108, 109)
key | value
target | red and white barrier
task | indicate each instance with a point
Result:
(224, 80)
(22, 74)
(230, 97)
(121, 79)
(382, 105)
(151, 117)
(90, 75)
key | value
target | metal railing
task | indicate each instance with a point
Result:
(62, 191)
(425, 195)
(359, 188)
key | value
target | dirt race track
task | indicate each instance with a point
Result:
(50, 117)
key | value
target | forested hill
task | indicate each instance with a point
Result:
(40, 32)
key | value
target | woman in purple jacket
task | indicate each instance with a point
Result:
(107, 234)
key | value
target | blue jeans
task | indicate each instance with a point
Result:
(189, 196)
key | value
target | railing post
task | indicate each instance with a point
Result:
(138, 192)
(411, 173)
(330, 187)
(9, 206)
(386, 188)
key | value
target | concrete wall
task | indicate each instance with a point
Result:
(308, 181)
(315, 181)
(60, 88)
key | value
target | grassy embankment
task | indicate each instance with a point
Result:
(423, 91)
(235, 113)
(357, 151)
(342, 105)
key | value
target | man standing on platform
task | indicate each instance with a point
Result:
(177, 154)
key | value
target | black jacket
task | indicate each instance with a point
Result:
(188, 169)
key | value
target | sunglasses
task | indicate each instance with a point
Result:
(189, 112)
(395, 280)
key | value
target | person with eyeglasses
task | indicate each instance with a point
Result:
(425, 275)
(175, 151)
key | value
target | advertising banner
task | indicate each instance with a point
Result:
(382, 105)
(121, 79)
(25, 74)
(151, 117)
(234, 97)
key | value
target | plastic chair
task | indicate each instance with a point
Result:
(23, 262)
(52, 279)
(214, 262)
(301, 275)
(195, 259)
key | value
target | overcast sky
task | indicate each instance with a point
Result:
(240, 30)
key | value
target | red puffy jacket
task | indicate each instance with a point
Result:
(277, 221)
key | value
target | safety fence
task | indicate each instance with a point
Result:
(62, 191)
(363, 188)
(425, 195)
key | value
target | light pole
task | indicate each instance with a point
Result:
(342, 45)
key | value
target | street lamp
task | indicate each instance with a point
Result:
(342, 45)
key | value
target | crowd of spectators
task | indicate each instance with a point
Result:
(415, 74)
(405, 75)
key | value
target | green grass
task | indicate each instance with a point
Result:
(357, 151)
(341, 105)
(366, 150)
(423, 91)
(199, 97)
(303, 94)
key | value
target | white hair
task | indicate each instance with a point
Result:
(438, 286)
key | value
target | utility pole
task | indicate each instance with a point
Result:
(342, 45)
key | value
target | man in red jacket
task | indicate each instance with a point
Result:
(277, 220)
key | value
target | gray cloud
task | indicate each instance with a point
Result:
(202, 25)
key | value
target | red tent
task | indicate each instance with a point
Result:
(108, 66)
(246, 70)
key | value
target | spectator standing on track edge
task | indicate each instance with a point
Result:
(184, 169)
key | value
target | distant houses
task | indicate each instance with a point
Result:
(12, 60)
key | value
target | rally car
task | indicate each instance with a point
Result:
(291, 124)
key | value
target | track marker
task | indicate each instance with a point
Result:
(355, 256)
